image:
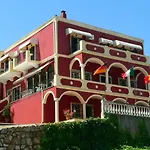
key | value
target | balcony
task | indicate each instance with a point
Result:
(26, 62)
(102, 50)
(8, 73)
(103, 88)
(38, 88)
(124, 109)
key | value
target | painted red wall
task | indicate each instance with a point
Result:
(49, 110)
(28, 110)
(45, 48)
(64, 42)
(1, 91)
(45, 41)
(96, 103)
(63, 66)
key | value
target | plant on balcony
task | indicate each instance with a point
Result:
(7, 114)
(68, 114)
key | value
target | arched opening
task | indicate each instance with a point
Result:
(141, 103)
(138, 78)
(120, 100)
(72, 101)
(115, 70)
(120, 106)
(90, 66)
(49, 108)
(75, 70)
(93, 106)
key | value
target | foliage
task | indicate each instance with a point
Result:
(93, 134)
(7, 111)
(125, 147)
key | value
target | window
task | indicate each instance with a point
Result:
(30, 83)
(88, 76)
(75, 74)
(77, 108)
(103, 79)
(89, 111)
(14, 93)
(2, 70)
(75, 44)
(18, 59)
(43, 77)
(133, 83)
(32, 53)
(122, 82)
(6, 65)
(36, 82)
(50, 76)
(42, 80)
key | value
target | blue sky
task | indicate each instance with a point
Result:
(19, 17)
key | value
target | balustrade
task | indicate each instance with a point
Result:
(125, 109)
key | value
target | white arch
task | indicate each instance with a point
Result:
(94, 96)
(136, 78)
(94, 60)
(119, 65)
(72, 62)
(46, 96)
(120, 100)
(73, 93)
(141, 103)
(142, 70)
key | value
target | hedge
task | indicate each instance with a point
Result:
(92, 134)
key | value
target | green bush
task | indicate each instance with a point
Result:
(125, 147)
(93, 134)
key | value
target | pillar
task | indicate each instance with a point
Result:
(56, 110)
(84, 110)
(102, 108)
(128, 80)
(82, 71)
(107, 77)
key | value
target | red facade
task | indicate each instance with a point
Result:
(52, 69)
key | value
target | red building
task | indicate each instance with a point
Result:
(52, 68)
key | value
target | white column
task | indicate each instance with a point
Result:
(56, 64)
(102, 108)
(128, 80)
(56, 110)
(84, 110)
(82, 72)
(10, 65)
(148, 86)
(107, 79)
(28, 56)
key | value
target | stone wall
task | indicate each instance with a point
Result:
(21, 137)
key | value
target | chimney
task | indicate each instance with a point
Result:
(63, 14)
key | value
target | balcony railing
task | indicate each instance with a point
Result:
(8, 73)
(38, 88)
(110, 51)
(25, 63)
(124, 109)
